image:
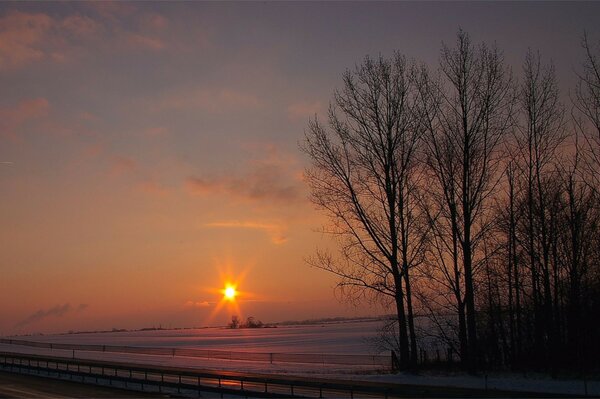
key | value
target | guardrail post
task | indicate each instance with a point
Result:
(395, 362)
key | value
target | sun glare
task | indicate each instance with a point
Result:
(230, 292)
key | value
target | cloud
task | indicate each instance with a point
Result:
(153, 188)
(56, 311)
(155, 132)
(304, 110)
(121, 165)
(111, 9)
(141, 41)
(27, 38)
(80, 25)
(21, 38)
(274, 230)
(140, 178)
(12, 118)
(272, 179)
(153, 22)
(82, 306)
(197, 304)
(214, 101)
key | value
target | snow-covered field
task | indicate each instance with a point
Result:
(334, 338)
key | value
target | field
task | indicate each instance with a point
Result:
(327, 338)
(335, 338)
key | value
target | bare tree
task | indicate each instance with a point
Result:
(587, 102)
(509, 210)
(472, 113)
(540, 133)
(364, 176)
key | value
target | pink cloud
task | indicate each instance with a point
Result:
(153, 188)
(121, 165)
(80, 25)
(141, 179)
(92, 151)
(22, 38)
(112, 9)
(304, 110)
(137, 40)
(26, 38)
(211, 100)
(154, 22)
(12, 118)
(155, 131)
(88, 116)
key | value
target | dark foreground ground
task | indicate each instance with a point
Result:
(28, 386)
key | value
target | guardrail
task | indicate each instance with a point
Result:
(184, 380)
(378, 361)
(193, 382)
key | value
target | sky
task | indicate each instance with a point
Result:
(149, 151)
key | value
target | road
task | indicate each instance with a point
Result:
(28, 386)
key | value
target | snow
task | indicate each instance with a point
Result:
(331, 338)
(334, 338)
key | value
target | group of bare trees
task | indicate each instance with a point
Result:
(470, 196)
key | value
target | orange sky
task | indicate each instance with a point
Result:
(149, 151)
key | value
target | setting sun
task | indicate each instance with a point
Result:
(230, 292)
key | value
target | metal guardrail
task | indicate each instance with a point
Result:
(185, 380)
(192, 382)
(378, 361)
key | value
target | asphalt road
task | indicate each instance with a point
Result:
(29, 386)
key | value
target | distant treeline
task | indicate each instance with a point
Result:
(471, 194)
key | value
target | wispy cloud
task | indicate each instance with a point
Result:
(143, 41)
(21, 35)
(271, 179)
(198, 304)
(304, 109)
(13, 117)
(153, 188)
(275, 231)
(26, 38)
(212, 100)
(121, 165)
(56, 311)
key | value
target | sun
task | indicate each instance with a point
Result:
(229, 292)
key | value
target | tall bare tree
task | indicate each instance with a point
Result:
(474, 101)
(540, 133)
(587, 102)
(364, 176)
